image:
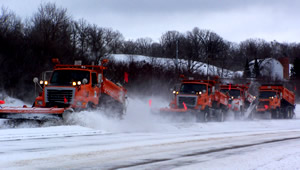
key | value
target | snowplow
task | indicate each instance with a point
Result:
(199, 97)
(240, 99)
(276, 100)
(71, 88)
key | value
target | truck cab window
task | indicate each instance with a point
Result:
(94, 79)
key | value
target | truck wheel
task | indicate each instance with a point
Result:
(66, 116)
(221, 115)
(286, 113)
(290, 113)
(275, 114)
(199, 116)
(90, 106)
(202, 116)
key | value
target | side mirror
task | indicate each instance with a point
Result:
(35, 80)
(281, 95)
(41, 84)
(84, 81)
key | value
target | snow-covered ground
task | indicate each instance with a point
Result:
(146, 141)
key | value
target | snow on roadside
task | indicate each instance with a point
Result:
(46, 132)
(9, 101)
(297, 111)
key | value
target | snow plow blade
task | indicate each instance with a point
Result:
(31, 113)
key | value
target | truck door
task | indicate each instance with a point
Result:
(95, 86)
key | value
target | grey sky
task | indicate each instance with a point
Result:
(234, 20)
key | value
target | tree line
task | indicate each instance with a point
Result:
(27, 47)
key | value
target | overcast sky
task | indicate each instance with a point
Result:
(234, 20)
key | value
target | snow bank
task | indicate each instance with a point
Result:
(199, 67)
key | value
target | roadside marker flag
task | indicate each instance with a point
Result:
(184, 105)
(126, 77)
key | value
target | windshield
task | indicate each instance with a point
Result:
(234, 92)
(266, 94)
(66, 77)
(192, 88)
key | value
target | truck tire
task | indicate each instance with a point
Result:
(290, 113)
(275, 114)
(90, 106)
(202, 116)
(221, 115)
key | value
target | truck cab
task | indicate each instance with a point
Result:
(192, 95)
(201, 98)
(71, 87)
(268, 100)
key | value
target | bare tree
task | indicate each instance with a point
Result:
(50, 33)
(168, 41)
(113, 40)
(144, 46)
(81, 36)
(129, 47)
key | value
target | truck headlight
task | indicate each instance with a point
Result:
(79, 83)
(46, 83)
(74, 83)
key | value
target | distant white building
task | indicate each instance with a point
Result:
(269, 67)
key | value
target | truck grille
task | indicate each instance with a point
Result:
(59, 95)
(262, 104)
(190, 101)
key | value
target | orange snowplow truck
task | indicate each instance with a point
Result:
(201, 98)
(239, 98)
(71, 88)
(277, 100)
